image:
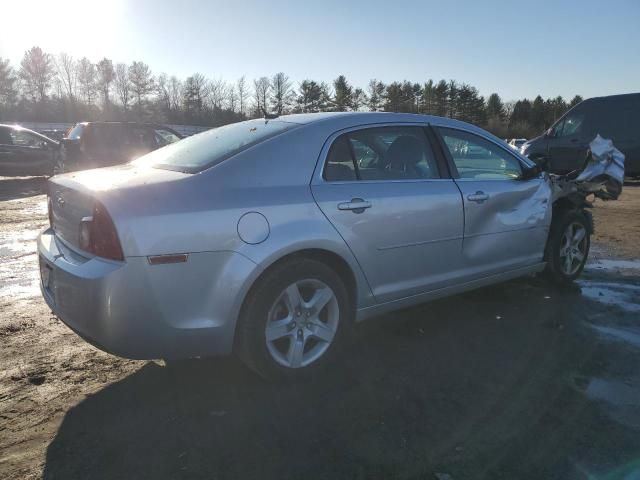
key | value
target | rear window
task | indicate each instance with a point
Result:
(209, 148)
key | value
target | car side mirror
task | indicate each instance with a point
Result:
(541, 164)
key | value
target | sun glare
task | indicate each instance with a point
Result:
(78, 27)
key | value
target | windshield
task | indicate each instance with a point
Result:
(209, 148)
(76, 132)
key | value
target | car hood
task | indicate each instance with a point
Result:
(530, 142)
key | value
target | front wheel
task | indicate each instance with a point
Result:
(294, 321)
(568, 246)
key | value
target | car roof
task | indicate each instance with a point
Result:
(360, 117)
(345, 120)
(18, 127)
(625, 97)
(133, 124)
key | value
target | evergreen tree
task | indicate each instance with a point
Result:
(575, 100)
(495, 107)
(376, 95)
(343, 93)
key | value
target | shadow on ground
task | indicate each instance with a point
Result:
(484, 385)
(21, 187)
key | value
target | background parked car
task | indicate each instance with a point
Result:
(25, 152)
(53, 134)
(565, 144)
(102, 144)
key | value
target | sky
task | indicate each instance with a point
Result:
(517, 49)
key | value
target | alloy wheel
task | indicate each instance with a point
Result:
(573, 248)
(302, 323)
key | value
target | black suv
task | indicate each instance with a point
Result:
(102, 144)
(565, 144)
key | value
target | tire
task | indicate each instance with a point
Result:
(302, 340)
(566, 258)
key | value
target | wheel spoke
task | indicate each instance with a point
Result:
(568, 262)
(578, 235)
(320, 298)
(296, 351)
(578, 256)
(292, 297)
(278, 329)
(322, 331)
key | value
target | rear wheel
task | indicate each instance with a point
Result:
(295, 320)
(568, 246)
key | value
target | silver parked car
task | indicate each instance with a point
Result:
(269, 237)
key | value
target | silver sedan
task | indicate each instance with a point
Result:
(271, 237)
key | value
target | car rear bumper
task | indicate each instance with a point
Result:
(142, 311)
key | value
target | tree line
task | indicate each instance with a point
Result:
(60, 88)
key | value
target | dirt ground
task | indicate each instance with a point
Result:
(518, 380)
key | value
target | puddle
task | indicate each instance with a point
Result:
(12, 243)
(623, 296)
(19, 277)
(622, 399)
(628, 335)
(608, 264)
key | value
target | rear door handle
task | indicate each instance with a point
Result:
(478, 197)
(356, 205)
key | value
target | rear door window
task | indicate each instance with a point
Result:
(22, 138)
(382, 153)
(340, 166)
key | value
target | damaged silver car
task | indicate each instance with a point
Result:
(270, 237)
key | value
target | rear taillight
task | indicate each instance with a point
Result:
(98, 235)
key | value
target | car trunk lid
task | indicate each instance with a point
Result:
(73, 197)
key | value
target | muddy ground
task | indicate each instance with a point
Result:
(519, 380)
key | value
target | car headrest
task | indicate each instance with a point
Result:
(405, 152)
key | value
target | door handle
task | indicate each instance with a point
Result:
(478, 197)
(356, 205)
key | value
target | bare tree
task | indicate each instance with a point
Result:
(217, 94)
(282, 93)
(8, 91)
(262, 89)
(141, 83)
(123, 86)
(175, 93)
(243, 93)
(36, 73)
(232, 98)
(86, 72)
(162, 91)
(106, 76)
(66, 69)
